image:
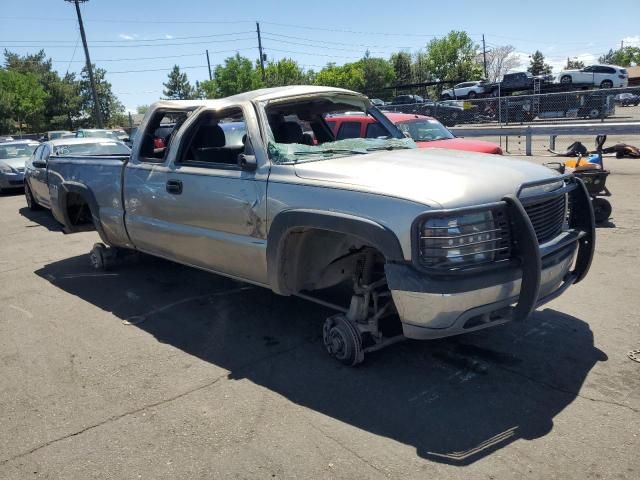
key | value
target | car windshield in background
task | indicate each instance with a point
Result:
(14, 150)
(54, 135)
(100, 134)
(98, 148)
(425, 130)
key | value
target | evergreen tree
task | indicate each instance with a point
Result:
(537, 65)
(177, 86)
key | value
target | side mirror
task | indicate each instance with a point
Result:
(247, 163)
(39, 164)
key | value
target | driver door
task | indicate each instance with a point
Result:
(201, 207)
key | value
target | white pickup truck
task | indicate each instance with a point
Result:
(399, 241)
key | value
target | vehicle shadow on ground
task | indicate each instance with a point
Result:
(42, 218)
(456, 400)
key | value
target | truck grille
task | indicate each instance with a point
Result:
(547, 217)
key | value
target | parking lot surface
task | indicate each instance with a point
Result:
(155, 370)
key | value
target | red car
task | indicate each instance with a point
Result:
(427, 132)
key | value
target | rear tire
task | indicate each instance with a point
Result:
(98, 257)
(601, 210)
(594, 113)
(31, 201)
(566, 80)
(606, 84)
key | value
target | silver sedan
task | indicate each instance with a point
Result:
(12, 159)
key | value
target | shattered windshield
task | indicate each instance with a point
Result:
(297, 152)
(325, 126)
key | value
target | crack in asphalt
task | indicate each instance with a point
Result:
(114, 418)
(345, 447)
(563, 390)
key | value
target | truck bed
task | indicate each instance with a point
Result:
(99, 180)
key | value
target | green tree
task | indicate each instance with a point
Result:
(236, 75)
(623, 57)
(574, 64)
(378, 73)
(537, 65)
(109, 105)
(142, 109)
(607, 57)
(177, 86)
(349, 75)
(452, 57)
(63, 100)
(284, 72)
(22, 98)
(402, 67)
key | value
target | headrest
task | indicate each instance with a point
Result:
(288, 132)
(209, 136)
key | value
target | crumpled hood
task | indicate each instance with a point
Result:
(435, 177)
(15, 162)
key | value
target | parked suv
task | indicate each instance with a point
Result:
(603, 76)
(464, 90)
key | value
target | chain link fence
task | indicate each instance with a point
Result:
(610, 104)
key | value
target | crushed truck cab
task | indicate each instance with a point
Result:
(399, 241)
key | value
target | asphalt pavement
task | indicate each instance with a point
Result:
(155, 370)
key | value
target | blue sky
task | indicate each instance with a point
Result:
(128, 36)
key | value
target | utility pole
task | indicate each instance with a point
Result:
(260, 50)
(209, 65)
(621, 44)
(484, 56)
(94, 91)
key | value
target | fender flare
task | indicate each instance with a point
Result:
(368, 231)
(88, 196)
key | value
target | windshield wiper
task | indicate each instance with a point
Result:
(332, 150)
(388, 147)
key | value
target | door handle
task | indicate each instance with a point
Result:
(174, 186)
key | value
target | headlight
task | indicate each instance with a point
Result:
(452, 242)
(4, 168)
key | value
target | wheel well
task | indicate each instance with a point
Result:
(78, 212)
(315, 259)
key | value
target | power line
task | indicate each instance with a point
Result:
(130, 40)
(309, 27)
(158, 69)
(73, 55)
(335, 43)
(138, 45)
(309, 53)
(120, 20)
(162, 56)
(289, 42)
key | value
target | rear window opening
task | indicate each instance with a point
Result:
(159, 132)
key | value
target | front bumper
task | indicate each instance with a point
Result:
(11, 180)
(434, 307)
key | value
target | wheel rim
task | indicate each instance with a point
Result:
(565, 80)
(594, 113)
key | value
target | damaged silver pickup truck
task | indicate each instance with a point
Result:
(399, 241)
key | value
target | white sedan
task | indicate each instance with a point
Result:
(603, 76)
(464, 90)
